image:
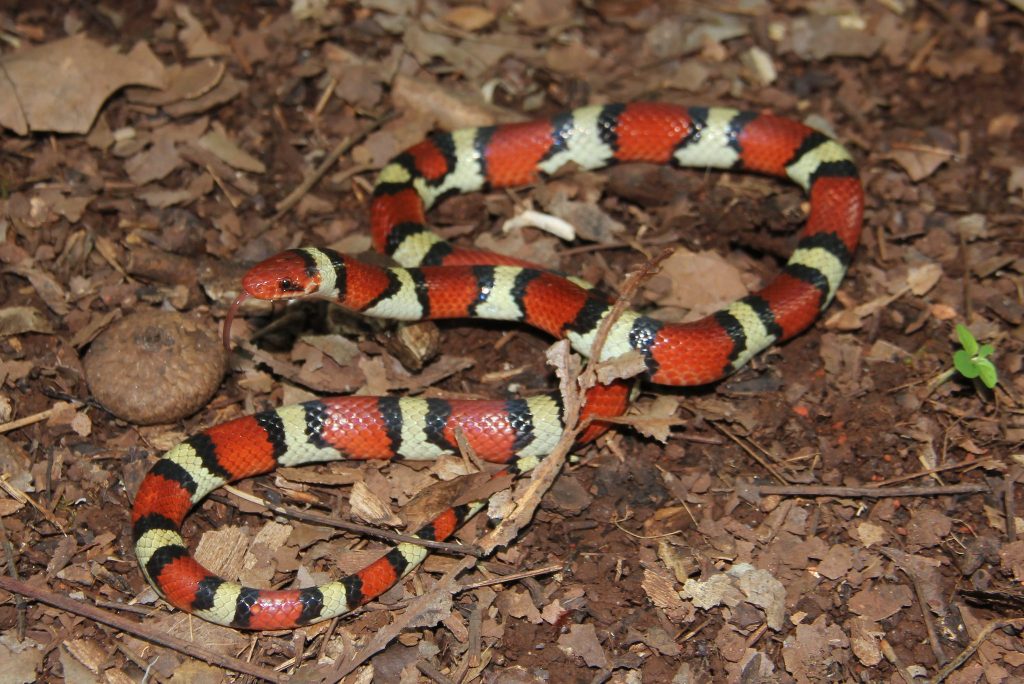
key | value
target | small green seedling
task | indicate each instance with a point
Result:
(971, 361)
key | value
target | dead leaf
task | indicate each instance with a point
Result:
(17, 320)
(877, 602)
(46, 286)
(217, 142)
(21, 659)
(920, 162)
(581, 641)
(683, 278)
(370, 508)
(79, 73)
(922, 279)
(194, 37)
(450, 109)
(813, 650)
(655, 419)
(864, 640)
(184, 82)
(469, 17)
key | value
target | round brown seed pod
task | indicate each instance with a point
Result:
(155, 366)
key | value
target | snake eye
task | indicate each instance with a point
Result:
(287, 285)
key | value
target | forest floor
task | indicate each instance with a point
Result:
(148, 161)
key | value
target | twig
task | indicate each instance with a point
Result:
(432, 673)
(890, 655)
(473, 628)
(629, 288)
(142, 631)
(24, 498)
(418, 607)
(327, 521)
(27, 420)
(964, 655)
(775, 472)
(869, 492)
(341, 148)
(1009, 505)
(618, 523)
(514, 577)
(926, 613)
(931, 471)
(947, 16)
(12, 567)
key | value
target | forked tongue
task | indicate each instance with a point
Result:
(231, 317)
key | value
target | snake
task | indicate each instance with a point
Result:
(435, 279)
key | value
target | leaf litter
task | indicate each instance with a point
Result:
(163, 142)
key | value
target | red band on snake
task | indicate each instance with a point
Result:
(438, 280)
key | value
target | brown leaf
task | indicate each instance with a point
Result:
(661, 592)
(919, 163)
(183, 83)
(16, 320)
(46, 286)
(581, 641)
(194, 37)
(370, 508)
(469, 17)
(217, 142)
(683, 282)
(79, 73)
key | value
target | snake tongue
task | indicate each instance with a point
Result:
(231, 317)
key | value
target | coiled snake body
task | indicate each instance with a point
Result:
(438, 280)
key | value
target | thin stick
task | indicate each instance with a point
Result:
(62, 602)
(931, 471)
(964, 655)
(327, 521)
(473, 629)
(514, 577)
(432, 673)
(775, 472)
(341, 148)
(926, 613)
(1009, 505)
(27, 420)
(12, 567)
(24, 498)
(629, 289)
(869, 492)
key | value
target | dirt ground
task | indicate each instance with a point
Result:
(842, 509)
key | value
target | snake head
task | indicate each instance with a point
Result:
(287, 275)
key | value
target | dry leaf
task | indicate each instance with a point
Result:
(217, 142)
(16, 320)
(919, 163)
(79, 73)
(370, 508)
(656, 418)
(682, 281)
(922, 279)
(469, 17)
(581, 641)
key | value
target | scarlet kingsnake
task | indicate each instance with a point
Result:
(439, 280)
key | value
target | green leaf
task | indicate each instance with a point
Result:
(967, 340)
(985, 350)
(965, 364)
(987, 373)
